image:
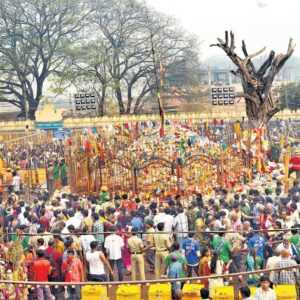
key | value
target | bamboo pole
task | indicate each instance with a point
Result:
(286, 161)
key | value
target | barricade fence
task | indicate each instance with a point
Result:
(235, 280)
(156, 232)
(166, 280)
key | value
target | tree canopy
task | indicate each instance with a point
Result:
(124, 56)
(34, 37)
(116, 47)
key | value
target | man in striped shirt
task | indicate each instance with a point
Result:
(286, 276)
(98, 229)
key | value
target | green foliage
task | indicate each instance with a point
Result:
(125, 55)
(34, 38)
(114, 47)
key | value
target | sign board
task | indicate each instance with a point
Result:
(49, 125)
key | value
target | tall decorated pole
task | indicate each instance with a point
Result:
(158, 82)
(286, 163)
(160, 102)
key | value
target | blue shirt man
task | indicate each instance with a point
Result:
(137, 222)
(176, 270)
(258, 243)
(191, 249)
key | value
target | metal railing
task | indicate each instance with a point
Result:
(241, 276)
(156, 232)
(153, 281)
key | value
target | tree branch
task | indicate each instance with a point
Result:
(265, 66)
(277, 64)
(247, 97)
(244, 48)
(233, 56)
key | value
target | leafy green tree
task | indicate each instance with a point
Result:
(135, 42)
(34, 38)
(125, 47)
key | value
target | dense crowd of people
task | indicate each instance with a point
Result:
(72, 238)
(57, 236)
(27, 154)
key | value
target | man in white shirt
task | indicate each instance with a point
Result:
(265, 292)
(86, 239)
(23, 220)
(169, 221)
(181, 225)
(160, 217)
(78, 214)
(294, 217)
(271, 264)
(64, 200)
(74, 220)
(16, 183)
(113, 245)
(164, 216)
(285, 245)
(97, 263)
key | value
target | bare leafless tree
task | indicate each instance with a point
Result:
(261, 106)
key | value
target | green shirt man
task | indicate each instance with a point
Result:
(295, 240)
(180, 258)
(223, 247)
(103, 197)
(64, 174)
(56, 171)
(24, 240)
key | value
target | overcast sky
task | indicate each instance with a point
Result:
(260, 22)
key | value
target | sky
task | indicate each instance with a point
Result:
(261, 23)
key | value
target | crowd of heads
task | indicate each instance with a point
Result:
(228, 232)
(113, 235)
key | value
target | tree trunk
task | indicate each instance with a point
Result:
(101, 101)
(31, 112)
(260, 112)
(101, 107)
(130, 99)
(32, 107)
(22, 113)
(120, 100)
